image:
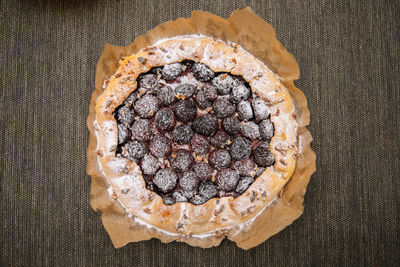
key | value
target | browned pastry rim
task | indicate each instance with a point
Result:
(216, 216)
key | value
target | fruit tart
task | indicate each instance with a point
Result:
(195, 138)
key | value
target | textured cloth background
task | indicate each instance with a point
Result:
(348, 54)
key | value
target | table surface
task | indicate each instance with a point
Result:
(348, 53)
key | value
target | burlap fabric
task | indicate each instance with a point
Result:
(348, 53)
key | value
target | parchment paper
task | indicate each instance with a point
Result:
(256, 36)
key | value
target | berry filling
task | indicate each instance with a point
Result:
(195, 134)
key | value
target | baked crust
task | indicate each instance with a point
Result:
(217, 216)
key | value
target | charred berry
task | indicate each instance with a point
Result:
(224, 83)
(141, 130)
(202, 72)
(220, 139)
(171, 71)
(208, 189)
(185, 110)
(239, 93)
(231, 125)
(188, 181)
(123, 134)
(134, 150)
(266, 129)
(245, 167)
(240, 148)
(166, 95)
(245, 111)
(150, 164)
(165, 180)
(206, 125)
(125, 115)
(160, 146)
(164, 119)
(182, 134)
(185, 90)
(261, 110)
(181, 160)
(168, 200)
(262, 155)
(223, 108)
(250, 130)
(202, 170)
(227, 179)
(243, 184)
(199, 144)
(179, 196)
(220, 159)
(148, 82)
(198, 200)
(201, 100)
(147, 106)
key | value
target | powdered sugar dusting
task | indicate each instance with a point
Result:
(134, 181)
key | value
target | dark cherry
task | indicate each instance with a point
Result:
(261, 110)
(168, 200)
(266, 129)
(179, 196)
(165, 180)
(182, 134)
(150, 164)
(206, 125)
(210, 92)
(123, 134)
(220, 159)
(220, 139)
(202, 170)
(166, 95)
(134, 150)
(262, 155)
(189, 181)
(223, 108)
(148, 81)
(147, 106)
(160, 146)
(141, 130)
(227, 179)
(240, 148)
(125, 115)
(185, 110)
(201, 100)
(208, 189)
(250, 130)
(202, 72)
(199, 144)
(198, 200)
(185, 90)
(239, 93)
(245, 111)
(224, 83)
(181, 160)
(171, 71)
(164, 119)
(231, 125)
(245, 167)
(243, 184)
